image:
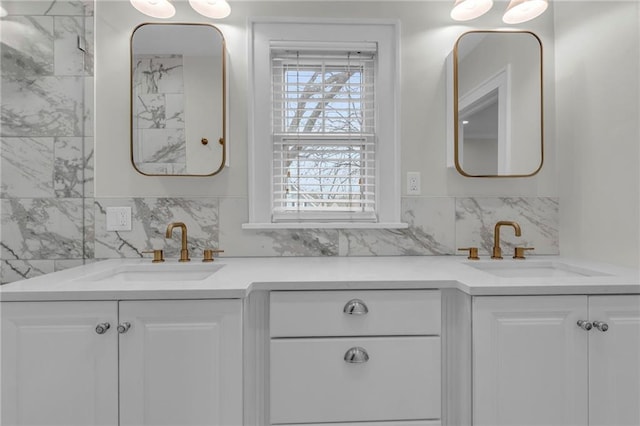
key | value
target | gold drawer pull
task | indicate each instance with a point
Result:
(356, 355)
(355, 307)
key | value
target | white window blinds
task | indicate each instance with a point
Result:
(324, 141)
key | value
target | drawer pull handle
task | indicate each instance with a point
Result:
(356, 355)
(355, 307)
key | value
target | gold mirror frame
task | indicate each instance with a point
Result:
(456, 148)
(222, 141)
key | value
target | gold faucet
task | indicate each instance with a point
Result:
(497, 251)
(184, 252)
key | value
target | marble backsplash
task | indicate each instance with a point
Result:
(39, 237)
(437, 226)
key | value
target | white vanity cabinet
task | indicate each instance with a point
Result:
(534, 365)
(355, 356)
(56, 370)
(165, 362)
(614, 361)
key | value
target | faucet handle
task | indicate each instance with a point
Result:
(209, 253)
(158, 255)
(473, 252)
(519, 252)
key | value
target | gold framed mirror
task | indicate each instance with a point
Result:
(178, 99)
(498, 104)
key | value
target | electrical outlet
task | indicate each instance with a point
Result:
(413, 183)
(118, 218)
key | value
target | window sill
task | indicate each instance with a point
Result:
(323, 225)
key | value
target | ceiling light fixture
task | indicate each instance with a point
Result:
(520, 11)
(216, 9)
(465, 10)
(155, 8)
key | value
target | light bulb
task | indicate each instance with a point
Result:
(216, 9)
(520, 11)
(155, 8)
(465, 10)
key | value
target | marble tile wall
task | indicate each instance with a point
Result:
(437, 226)
(46, 140)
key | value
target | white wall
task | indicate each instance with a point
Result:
(427, 36)
(598, 103)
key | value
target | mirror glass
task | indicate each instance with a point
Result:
(178, 96)
(498, 104)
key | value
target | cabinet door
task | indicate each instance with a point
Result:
(529, 361)
(181, 363)
(56, 369)
(614, 361)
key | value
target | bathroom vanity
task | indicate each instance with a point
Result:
(403, 341)
(124, 362)
(528, 348)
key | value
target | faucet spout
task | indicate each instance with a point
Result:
(497, 251)
(184, 252)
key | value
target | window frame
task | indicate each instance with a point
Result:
(385, 33)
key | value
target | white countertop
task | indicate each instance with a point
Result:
(239, 276)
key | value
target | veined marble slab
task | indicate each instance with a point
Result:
(538, 218)
(27, 47)
(49, 7)
(27, 167)
(150, 219)
(68, 59)
(44, 106)
(71, 167)
(431, 231)
(236, 241)
(41, 228)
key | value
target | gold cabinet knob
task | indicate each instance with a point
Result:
(207, 254)
(519, 252)
(473, 252)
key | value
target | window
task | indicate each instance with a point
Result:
(323, 134)
(320, 155)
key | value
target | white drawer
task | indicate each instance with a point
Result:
(320, 313)
(312, 383)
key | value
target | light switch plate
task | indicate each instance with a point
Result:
(118, 218)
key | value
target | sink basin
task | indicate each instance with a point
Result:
(158, 272)
(533, 268)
